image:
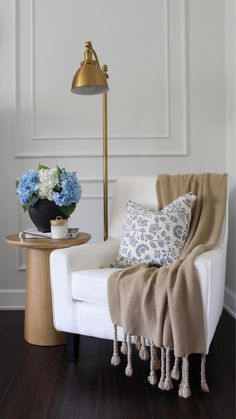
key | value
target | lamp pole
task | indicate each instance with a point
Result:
(105, 161)
(91, 79)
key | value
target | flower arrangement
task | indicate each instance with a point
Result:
(57, 185)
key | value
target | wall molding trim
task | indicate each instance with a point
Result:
(70, 138)
(30, 155)
(230, 302)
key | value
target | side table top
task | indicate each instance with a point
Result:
(48, 243)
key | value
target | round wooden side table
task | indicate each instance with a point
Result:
(39, 329)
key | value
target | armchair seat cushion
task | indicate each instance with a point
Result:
(91, 285)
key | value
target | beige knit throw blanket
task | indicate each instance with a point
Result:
(164, 305)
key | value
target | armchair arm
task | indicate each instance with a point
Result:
(209, 256)
(210, 267)
(62, 263)
(90, 255)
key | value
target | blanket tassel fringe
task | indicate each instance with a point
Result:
(129, 368)
(115, 360)
(175, 373)
(143, 353)
(204, 385)
(165, 382)
(168, 385)
(153, 377)
(184, 389)
(124, 347)
(162, 378)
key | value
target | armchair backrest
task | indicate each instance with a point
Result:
(139, 189)
(142, 190)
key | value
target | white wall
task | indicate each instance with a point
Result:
(166, 102)
(230, 67)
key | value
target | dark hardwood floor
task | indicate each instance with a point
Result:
(39, 383)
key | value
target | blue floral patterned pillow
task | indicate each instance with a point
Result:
(155, 237)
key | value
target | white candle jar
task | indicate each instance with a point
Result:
(59, 228)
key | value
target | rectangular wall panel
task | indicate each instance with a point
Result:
(144, 45)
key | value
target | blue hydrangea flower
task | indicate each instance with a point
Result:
(28, 187)
(70, 192)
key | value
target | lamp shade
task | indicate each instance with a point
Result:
(89, 79)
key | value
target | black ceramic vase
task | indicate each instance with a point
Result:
(42, 212)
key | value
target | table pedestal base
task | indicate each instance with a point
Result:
(39, 329)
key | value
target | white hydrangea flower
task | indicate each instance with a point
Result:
(48, 180)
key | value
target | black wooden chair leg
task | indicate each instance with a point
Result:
(72, 341)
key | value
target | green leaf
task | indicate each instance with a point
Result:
(63, 170)
(25, 207)
(17, 183)
(41, 167)
(29, 204)
(67, 210)
(59, 171)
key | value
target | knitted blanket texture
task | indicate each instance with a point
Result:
(163, 305)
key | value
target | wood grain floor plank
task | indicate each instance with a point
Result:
(121, 396)
(39, 382)
(77, 391)
(30, 392)
(12, 348)
(76, 395)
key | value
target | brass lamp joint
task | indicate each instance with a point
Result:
(105, 70)
(88, 45)
(89, 52)
(88, 56)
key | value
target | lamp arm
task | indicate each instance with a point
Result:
(96, 57)
(88, 45)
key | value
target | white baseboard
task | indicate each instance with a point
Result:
(12, 299)
(230, 302)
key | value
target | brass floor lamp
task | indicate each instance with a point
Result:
(91, 79)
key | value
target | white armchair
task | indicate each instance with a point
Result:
(79, 285)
